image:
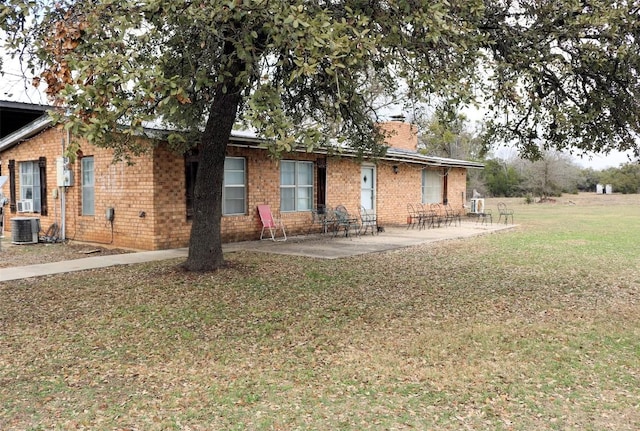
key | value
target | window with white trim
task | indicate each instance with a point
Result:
(431, 186)
(296, 186)
(88, 186)
(234, 189)
(30, 184)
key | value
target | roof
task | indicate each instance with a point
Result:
(15, 115)
(249, 140)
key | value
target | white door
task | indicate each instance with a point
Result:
(368, 187)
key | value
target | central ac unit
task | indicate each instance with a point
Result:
(25, 206)
(24, 230)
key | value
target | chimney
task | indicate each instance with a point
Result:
(399, 134)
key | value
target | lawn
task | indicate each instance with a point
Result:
(533, 328)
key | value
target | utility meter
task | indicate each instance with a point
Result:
(64, 175)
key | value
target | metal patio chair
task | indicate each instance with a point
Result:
(413, 217)
(484, 216)
(345, 222)
(321, 216)
(438, 214)
(368, 220)
(452, 216)
(427, 216)
(505, 212)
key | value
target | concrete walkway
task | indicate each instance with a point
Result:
(315, 246)
(18, 272)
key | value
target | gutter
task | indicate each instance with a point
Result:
(393, 155)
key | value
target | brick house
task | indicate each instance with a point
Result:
(149, 201)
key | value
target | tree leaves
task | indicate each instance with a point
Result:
(565, 76)
(560, 72)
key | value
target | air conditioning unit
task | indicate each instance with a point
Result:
(25, 206)
(24, 230)
(477, 206)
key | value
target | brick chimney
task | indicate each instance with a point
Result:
(400, 135)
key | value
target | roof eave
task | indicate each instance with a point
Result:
(416, 158)
(24, 106)
(31, 129)
(243, 140)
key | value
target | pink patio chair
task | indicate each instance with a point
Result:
(270, 223)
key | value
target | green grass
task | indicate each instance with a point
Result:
(534, 328)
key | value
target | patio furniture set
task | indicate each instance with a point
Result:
(504, 213)
(338, 220)
(432, 215)
(334, 221)
(437, 215)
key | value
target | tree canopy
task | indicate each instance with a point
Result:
(563, 74)
(301, 68)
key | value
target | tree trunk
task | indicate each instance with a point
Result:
(205, 243)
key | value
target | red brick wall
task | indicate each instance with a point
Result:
(457, 187)
(343, 184)
(126, 188)
(148, 197)
(395, 191)
(263, 187)
(168, 211)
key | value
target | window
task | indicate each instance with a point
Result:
(30, 184)
(431, 186)
(233, 191)
(88, 187)
(296, 186)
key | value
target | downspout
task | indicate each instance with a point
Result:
(63, 200)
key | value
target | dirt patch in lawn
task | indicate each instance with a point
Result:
(31, 254)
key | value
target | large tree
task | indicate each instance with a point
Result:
(624, 179)
(501, 179)
(297, 72)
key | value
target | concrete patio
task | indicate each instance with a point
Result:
(325, 246)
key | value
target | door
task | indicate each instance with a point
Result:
(368, 187)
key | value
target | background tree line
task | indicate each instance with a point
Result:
(552, 174)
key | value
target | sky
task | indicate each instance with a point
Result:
(13, 85)
(597, 162)
(591, 160)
